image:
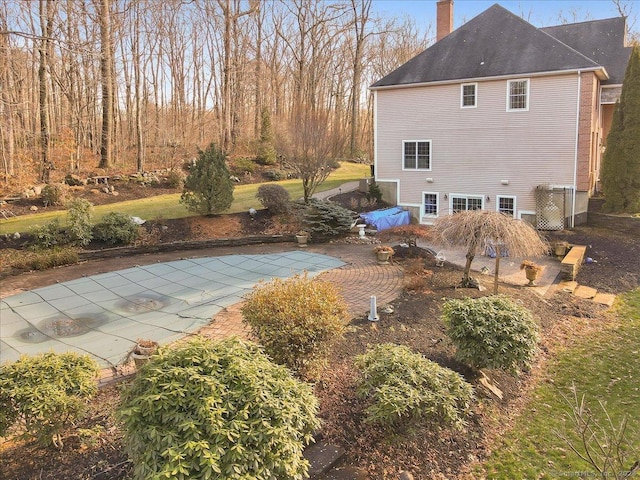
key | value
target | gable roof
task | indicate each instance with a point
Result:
(601, 40)
(495, 43)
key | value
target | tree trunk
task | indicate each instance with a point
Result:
(7, 138)
(107, 74)
(46, 18)
(136, 73)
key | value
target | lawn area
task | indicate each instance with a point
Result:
(604, 368)
(168, 206)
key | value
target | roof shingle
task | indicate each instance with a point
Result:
(499, 43)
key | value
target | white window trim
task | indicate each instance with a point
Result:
(525, 212)
(430, 156)
(467, 196)
(423, 214)
(509, 82)
(513, 197)
(475, 96)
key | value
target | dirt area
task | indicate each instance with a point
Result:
(427, 451)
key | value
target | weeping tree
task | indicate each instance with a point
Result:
(471, 228)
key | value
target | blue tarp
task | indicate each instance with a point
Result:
(371, 217)
(387, 218)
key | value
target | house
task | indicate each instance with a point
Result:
(500, 115)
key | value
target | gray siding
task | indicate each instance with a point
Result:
(474, 149)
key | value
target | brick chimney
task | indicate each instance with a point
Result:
(444, 19)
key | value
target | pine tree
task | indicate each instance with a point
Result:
(208, 188)
(621, 162)
(266, 149)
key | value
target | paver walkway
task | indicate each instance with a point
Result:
(357, 280)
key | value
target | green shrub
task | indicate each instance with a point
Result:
(46, 392)
(116, 228)
(241, 165)
(274, 197)
(275, 175)
(326, 219)
(492, 332)
(297, 320)
(80, 231)
(47, 236)
(374, 194)
(222, 410)
(54, 194)
(208, 188)
(405, 387)
(175, 179)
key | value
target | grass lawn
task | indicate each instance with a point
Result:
(604, 368)
(169, 206)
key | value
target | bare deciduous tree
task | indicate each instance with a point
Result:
(311, 149)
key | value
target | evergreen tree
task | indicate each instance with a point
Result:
(266, 149)
(621, 162)
(208, 188)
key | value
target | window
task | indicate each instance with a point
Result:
(460, 203)
(518, 95)
(417, 154)
(468, 95)
(430, 204)
(506, 205)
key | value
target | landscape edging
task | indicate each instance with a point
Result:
(180, 246)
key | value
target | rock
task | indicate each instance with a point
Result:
(37, 189)
(73, 180)
(94, 191)
(106, 190)
(112, 188)
(33, 208)
(27, 194)
(164, 228)
(16, 236)
(404, 475)
(115, 194)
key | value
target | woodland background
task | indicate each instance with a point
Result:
(136, 85)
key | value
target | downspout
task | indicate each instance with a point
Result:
(575, 159)
(375, 135)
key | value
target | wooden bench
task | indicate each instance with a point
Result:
(572, 261)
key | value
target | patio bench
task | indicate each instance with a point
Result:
(572, 261)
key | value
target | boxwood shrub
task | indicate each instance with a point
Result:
(492, 332)
(221, 410)
(403, 387)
